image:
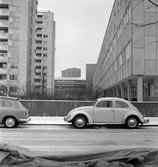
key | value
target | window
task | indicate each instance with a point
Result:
(39, 16)
(45, 36)
(4, 17)
(15, 66)
(13, 77)
(38, 54)
(38, 42)
(39, 35)
(4, 6)
(44, 55)
(7, 103)
(39, 29)
(104, 104)
(38, 61)
(120, 104)
(44, 48)
(39, 48)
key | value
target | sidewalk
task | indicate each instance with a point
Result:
(43, 120)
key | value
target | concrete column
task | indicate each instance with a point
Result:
(129, 90)
(114, 92)
(139, 88)
(122, 90)
(117, 91)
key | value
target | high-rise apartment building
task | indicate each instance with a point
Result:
(44, 65)
(17, 44)
(127, 66)
(71, 72)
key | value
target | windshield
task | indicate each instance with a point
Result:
(93, 104)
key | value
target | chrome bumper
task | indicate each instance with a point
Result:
(146, 121)
(24, 120)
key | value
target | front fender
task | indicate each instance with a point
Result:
(90, 121)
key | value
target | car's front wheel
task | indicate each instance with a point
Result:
(79, 121)
(10, 122)
(132, 122)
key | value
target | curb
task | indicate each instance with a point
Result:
(42, 124)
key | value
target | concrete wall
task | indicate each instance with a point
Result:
(61, 108)
(52, 107)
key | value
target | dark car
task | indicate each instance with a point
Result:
(12, 112)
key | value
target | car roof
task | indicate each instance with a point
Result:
(112, 98)
(8, 98)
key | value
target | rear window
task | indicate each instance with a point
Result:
(6, 103)
(120, 104)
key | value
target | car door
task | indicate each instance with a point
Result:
(104, 112)
(121, 108)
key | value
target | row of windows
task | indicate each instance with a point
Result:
(41, 42)
(42, 35)
(40, 55)
(42, 17)
(109, 104)
(41, 48)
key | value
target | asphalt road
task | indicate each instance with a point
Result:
(63, 139)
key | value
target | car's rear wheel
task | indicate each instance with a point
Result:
(10, 122)
(79, 121)
(131, 122)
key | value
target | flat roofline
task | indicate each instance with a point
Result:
(69, 78)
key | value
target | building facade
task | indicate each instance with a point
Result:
(17, 44)
(70, 88)
(71, 72)
(44, 64)
(90, 68)
(127, 66)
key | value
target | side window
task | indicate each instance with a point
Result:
(120, 104)
(8, 104)
(1, 103)
(104, 104)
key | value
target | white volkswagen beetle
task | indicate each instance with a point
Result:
(107, 110)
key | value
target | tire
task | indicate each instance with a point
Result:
(131, 122)
(10, 122)
(79, 122)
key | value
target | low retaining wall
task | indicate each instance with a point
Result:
(62, 107)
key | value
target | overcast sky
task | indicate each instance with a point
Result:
(80, 28)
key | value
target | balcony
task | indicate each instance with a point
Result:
(3, 70)
(3, 35)
(13, 36)
(38, 70)
(12, 83)
(3, 45)
(15, 14)
(13, 48)
(4, 1)
(4, 23)
(15, 2)
(3, 59)
(14, 25)
(4, 12)
(12, 71)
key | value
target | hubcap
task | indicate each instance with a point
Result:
(132, 122)
(10, 122)
(80, 122)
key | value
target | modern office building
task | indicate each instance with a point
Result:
(17, 44)
(90, 68)
(71, 72)
(127, 66)
(44, 65)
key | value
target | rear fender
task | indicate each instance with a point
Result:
(131, 114)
